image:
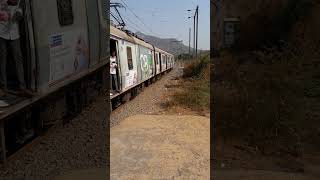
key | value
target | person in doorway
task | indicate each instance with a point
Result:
(113, 73)
(10, 15)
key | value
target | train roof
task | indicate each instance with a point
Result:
(161, 51)
(143, 43)
(123, 35)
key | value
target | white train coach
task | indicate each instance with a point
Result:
(139, 63)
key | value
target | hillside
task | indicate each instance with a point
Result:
(175, 48)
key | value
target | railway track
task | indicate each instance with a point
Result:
(123, 97)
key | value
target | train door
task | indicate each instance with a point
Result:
(163, 62)
(114, 49)
(160, 62)
(152, 66)
(157, 59)
(25, 39)
(128, 64)
(145, 61)
(166, 62)
(154, 63)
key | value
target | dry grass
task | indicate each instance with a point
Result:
(195, 85)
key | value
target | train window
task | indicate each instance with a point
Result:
(129, 57)
(65, 12)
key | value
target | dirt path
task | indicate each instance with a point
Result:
(161, 147)
(149, 141)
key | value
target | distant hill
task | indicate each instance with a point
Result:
(175, 48)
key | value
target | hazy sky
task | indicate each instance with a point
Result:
(168, 18)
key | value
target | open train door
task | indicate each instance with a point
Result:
(114, 47)
(27, 49)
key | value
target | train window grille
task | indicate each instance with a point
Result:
(65, 12)
(129, 57)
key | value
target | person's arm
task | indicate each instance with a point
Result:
(112, 64)
(115, 63)
(18, 14)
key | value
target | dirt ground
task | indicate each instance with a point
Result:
(233, 160)
(150, 139)
(161, 147)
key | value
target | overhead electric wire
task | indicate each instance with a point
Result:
(134, 27)
(137, 27)
(136, 16)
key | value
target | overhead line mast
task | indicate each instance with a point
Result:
(121, 23)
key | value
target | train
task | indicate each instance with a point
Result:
(66, 48)
(139, 63)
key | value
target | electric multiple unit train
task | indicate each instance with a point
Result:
(66, 52)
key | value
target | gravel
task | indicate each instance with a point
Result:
(147, 102)
(77, 145)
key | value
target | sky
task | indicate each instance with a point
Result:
(168, 19)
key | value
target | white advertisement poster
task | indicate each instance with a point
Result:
(69, 54)
(131, 79)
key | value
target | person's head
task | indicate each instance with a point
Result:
(113, 54)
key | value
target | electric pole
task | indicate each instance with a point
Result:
(197, 13)
(194, 35)
(195, 32)
(189, 39)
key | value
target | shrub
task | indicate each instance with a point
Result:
(196, 68)
(195, 92)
